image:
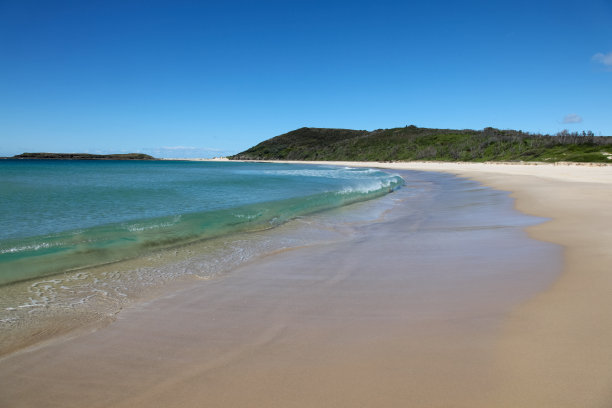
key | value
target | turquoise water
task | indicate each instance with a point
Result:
(57, 216)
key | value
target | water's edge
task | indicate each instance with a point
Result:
(38, 309)
(92, 298)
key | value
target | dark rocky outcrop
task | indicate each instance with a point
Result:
(84, 156)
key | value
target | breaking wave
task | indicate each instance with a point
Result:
(34, 257)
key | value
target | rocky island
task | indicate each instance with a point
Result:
(83, 156)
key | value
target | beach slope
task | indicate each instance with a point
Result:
(555, 349)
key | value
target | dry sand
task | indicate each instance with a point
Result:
(330, 334)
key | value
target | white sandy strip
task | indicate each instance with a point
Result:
(587, 172)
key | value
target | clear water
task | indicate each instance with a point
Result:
(192, 232)
(58, 216)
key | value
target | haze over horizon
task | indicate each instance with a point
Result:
(204, 79)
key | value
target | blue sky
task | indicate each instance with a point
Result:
(202, 79)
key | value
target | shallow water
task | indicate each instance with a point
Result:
(60, 216)
(431, 211)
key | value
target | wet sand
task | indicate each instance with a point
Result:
(555, 349)
(447, 304)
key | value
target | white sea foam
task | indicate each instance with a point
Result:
(333, 173)
(34, 247)
(145, 227)
(248, 217)
(370, 187)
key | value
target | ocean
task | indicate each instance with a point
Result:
(60, 216)
(79, 240)
(82, 240)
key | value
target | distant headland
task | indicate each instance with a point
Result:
(415, 143)
(82, 156)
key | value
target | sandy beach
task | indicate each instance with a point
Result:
(497, 321)
(555, 349)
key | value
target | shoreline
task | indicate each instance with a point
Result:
(48, 305)
(555, 348)
(551, 349)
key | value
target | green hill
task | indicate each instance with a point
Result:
(414, 143)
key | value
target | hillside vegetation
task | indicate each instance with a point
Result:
(414, 143)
